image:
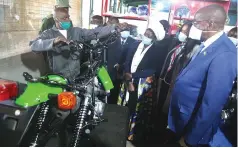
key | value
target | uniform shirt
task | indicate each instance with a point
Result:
(61, 59)
(47, 23)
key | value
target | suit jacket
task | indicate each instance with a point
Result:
(152, 62)
(201, 91)
(116, 54)
(125, 49)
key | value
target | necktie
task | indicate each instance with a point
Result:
(188, 61)
(122, 42)
(198, 51)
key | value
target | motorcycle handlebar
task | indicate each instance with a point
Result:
(109, 38)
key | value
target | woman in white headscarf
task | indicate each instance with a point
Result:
(143, 63)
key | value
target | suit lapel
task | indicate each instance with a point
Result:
(147, 57)
(202, 56)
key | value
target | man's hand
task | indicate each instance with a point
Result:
(131, 87)
(182, 142)
(60, 39)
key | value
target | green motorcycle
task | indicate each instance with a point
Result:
(57, 101)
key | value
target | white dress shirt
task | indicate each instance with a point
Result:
(64, 33)
(123, 41)
(212, 39)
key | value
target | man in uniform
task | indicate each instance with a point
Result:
(54, 42)
(49, 22)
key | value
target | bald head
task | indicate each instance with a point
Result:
(112, 20)
(97, 20)
(214, 15)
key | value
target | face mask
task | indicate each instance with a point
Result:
(125, 34)
(65, 25)
(146, 40)
(182, 37)
(93, 26)
(234, 40)
(195, 33)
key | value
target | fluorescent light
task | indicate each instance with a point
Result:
(159, 6)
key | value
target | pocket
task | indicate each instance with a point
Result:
(185, 110)
(184, 115)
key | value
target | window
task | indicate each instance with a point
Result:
(232, 13)
(20, 21)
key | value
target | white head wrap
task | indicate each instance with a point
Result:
(157, 27)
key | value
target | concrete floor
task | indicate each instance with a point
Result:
(129, 144)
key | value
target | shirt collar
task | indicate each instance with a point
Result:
(212, 39)
(124, 40)
(56, 29)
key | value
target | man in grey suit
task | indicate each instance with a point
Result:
(55, 42)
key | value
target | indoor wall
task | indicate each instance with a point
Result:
(20, 22)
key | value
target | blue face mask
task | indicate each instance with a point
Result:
(146, 40)
(65, 25)
(125, 34)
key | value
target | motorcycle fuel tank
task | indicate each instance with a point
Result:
(37, 92)
(105, 78)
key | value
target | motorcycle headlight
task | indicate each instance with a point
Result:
(66, 100)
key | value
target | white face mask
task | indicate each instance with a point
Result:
(234, 40)
(195, 33)
(182, 37)
(93, 26)
(146, 40)
(125, 34)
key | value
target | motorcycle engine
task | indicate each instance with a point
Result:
(100, 96)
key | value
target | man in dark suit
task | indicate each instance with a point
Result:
(112, 20)
(116, 57)
(126, 42)
(202, 88)
(96, 21)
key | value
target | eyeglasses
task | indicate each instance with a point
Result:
(194, 22)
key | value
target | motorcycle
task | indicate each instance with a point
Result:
(57, 100)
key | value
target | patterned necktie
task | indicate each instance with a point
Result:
(198, 51)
